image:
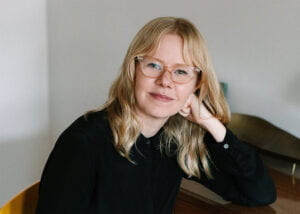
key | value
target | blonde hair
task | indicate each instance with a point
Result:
(121, 102)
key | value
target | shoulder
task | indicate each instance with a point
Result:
(89, 130)
(90, 124)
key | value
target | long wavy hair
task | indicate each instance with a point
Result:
(191, 151)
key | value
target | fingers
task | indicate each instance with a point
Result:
(185, 111)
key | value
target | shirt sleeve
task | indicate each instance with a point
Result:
(239, 174)
(68, 178)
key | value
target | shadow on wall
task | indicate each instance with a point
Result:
(21, 164)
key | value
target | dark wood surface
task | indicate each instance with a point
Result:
(187, 203)
(288, 200)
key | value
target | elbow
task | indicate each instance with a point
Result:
(267, 198)
(269, 193)
(257, 198)
(265, 191)
(256, 202)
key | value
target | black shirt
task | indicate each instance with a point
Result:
(86, 175)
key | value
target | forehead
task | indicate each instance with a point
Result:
(170, 50)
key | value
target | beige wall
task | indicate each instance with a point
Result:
(24, 123)
(254, 45)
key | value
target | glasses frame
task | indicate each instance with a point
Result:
(165, 68)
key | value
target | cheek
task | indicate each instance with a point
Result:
(184, 93)
(137, 91)
(141, 84)
(138, 81)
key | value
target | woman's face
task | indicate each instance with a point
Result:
(160, 98)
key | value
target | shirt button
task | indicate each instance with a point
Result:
(148, 142)
(226, 146)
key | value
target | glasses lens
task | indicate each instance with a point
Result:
(151, 67)
(182, 74)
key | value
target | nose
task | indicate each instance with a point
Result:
(165, 79)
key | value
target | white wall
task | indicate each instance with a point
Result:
(24, 123)
(254, 45)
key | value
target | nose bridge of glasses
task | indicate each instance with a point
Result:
(166, 75)
(168, 68)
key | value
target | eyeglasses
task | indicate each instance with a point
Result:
(154, 68)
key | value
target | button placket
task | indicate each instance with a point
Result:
(148, 142)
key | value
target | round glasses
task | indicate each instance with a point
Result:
(154, 68)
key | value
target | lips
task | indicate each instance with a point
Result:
(161, 97)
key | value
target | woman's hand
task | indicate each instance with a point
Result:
(196, 112)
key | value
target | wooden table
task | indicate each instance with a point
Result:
(288, 200)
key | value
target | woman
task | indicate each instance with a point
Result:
(164, 120)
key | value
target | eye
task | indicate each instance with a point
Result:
(154, 65)
(181, 72)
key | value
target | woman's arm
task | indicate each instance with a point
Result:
(239, 174)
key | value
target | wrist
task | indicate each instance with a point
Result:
(215, 128)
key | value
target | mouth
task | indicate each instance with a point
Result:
(161, 97)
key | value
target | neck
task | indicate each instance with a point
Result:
(150, 125)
